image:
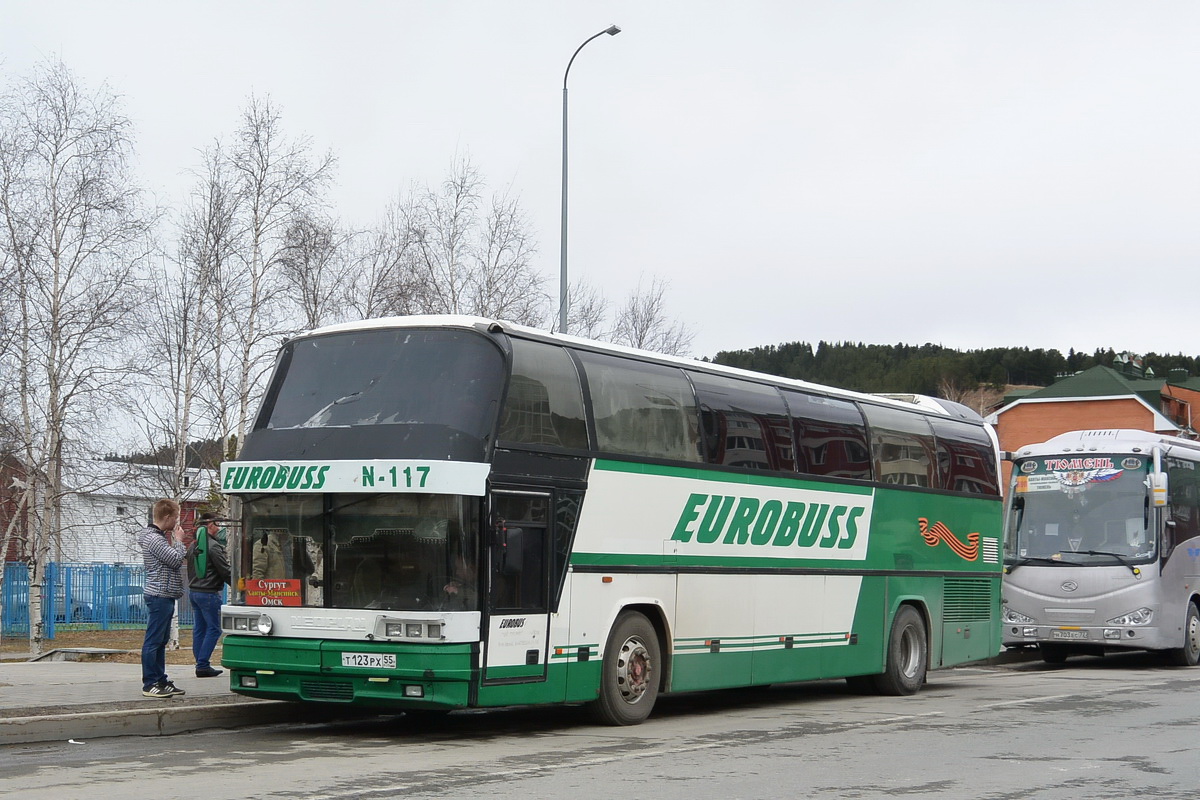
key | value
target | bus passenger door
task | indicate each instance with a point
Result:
(515, 649)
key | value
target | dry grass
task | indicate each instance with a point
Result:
(126, 639)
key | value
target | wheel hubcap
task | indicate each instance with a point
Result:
(634, 669)
(910, 653)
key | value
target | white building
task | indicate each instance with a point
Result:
(110, 502)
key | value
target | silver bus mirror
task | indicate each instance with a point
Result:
(1158, 488)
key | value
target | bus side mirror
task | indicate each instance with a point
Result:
(1158, 488)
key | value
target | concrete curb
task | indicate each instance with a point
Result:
(159, 720)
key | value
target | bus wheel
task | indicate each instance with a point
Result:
(1189, 654)
(630, 673)
(1052, 653)
(907, 655)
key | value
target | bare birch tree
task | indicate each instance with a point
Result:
(75, 236)
(209, 246)
(643, 322)
(451, 251)
(277, 179)
(375, 280)
(314, 266)
(587, 309)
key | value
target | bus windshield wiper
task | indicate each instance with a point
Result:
(1056, 562)
(1118, 557)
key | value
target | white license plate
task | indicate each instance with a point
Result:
(1068, 634)
(369, 660)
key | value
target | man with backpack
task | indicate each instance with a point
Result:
(208, 572)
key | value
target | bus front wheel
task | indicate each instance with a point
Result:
(630, 673)
(1052, 653)
(907, 655)
(1189, 654)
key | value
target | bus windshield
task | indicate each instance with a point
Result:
(388, 377)
(1086, 511)
(399, 552)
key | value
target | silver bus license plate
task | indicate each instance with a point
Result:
(1057, 634)
(369, 660)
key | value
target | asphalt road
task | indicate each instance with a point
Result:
(1120, 727)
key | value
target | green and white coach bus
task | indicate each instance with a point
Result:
(450, 512)
(1103, 546)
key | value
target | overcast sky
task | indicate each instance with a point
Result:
(974, 174)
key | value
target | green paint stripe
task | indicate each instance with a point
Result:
(729, 477)
(570, 653)
(750, 647)
(764, 638)
(644, 560)
(514, 671)
(616, 561)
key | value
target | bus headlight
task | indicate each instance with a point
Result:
(413, 629)
(1140, 617)
(264, 625)
(1017, 617)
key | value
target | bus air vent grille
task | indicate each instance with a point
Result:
(967, 600)
(327, 691)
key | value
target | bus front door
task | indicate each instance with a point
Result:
(518, 619)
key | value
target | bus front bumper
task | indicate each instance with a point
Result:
(1092, 637)
(416, 677)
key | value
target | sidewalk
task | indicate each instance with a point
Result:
(44, 701)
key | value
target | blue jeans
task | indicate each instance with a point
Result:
(158, 633)
(206, 608)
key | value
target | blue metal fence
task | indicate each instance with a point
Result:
(80, 597)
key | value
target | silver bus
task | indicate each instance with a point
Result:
(1102, 546)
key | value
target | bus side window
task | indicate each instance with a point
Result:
(544, 404)
(830, 436)
(743, 424)
(902, 447)
(965, 459)
(1184, 509)
(642, 409)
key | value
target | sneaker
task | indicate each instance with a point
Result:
(208, 672)
(159, 690)
(173, 689)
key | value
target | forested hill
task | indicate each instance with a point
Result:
(929, 368)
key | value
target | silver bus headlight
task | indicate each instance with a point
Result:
(1140, 617)
(1016, 617)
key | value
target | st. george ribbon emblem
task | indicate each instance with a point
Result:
(938, 532)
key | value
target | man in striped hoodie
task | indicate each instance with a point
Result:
(162, 553)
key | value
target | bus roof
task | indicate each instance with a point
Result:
(1111, 440)
(932, 405)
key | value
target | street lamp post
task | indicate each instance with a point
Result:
(611, 30)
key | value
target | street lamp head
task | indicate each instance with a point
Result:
(612, 30)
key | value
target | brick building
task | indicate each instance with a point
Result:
(1100, 398)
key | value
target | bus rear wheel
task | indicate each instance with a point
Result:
(629, 675)
(907, 655)
(1189, 654)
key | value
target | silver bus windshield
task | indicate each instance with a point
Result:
(400, 552)
(1087, 511)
